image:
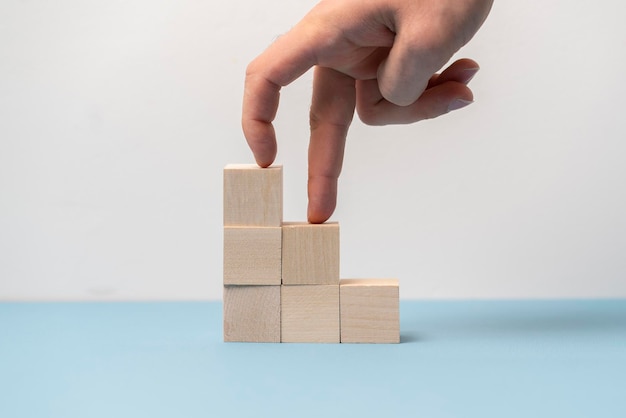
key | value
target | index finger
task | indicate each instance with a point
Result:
(290, 56)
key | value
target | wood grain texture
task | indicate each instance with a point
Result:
(252, 255)
(310, 253)
(369, 310)
(253, 196)
(252, 314)
(310, 314)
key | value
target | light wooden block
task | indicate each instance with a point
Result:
(310, 253)
(253, 196)
(310, 314)
(252, 255)
(369, 310)
(252, 314)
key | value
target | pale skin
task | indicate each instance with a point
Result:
(379, 57)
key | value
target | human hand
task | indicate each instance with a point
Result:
(378, 56)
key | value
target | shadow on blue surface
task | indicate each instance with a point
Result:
(471, 320)
(406, 337)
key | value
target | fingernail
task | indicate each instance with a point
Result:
(458, 104)
(468, 74)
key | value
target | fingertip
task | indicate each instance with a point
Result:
(317, 219)
(318, 215)
(264, 155)
(321, 207)
(468, 74)
(263, 164)
(462, 96)
(322, 199)
(467, 63)
(459, 104)
(266, 159)
(261, 139)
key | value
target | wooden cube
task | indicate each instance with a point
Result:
(369, 311)
(252, 314)
(310, 253)
(252, 255)
(310, 314)
(253, 196)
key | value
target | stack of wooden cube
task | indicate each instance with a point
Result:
(281, 279)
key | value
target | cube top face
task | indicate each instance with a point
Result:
(310, 314)
(246, 166)
(303, 224)
(252, 255)
(252, 314)
(370, 282)
(370, 311)
(253, 196)
(310, 253)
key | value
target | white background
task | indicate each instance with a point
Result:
(117, 117)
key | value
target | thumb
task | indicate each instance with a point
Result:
(413, 59)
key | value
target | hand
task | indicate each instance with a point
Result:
(378, 56)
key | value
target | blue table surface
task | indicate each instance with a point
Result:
(456, 359)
